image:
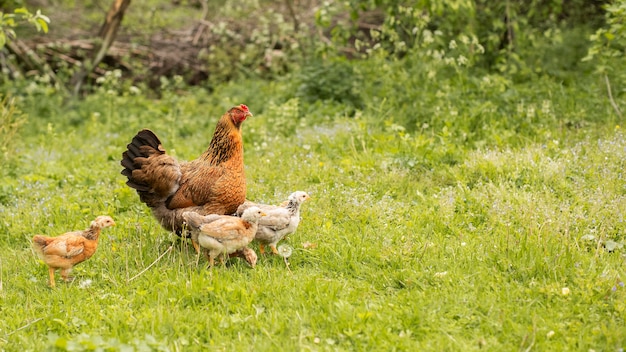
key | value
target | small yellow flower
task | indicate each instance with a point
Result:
(565, 291)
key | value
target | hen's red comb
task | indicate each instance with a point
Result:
(243, 107)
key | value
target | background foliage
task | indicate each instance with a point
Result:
(465, 163)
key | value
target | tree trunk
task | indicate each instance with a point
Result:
(107, 34)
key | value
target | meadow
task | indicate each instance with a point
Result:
(463, 198)
(446, 236)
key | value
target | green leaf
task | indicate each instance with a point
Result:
(588, 237)
(612, 245)
(43, 17)
(22, 10)
(43, 25)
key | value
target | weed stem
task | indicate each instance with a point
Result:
(149, 266)
(23, 327)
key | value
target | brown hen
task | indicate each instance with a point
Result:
(65, 251)
(214, 183)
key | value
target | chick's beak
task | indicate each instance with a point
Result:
(263, 214)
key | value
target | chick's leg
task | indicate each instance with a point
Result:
(273, 248)
(261, 248)
(195, 246)
(211, 258)
(208, 257)
(51, 276)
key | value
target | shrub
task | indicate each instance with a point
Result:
(11, 120)
(335, 80)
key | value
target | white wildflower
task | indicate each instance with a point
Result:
(285, 250)
(134, 90)
(85, 283)
(461, 60)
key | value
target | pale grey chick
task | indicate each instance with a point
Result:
(280, 220)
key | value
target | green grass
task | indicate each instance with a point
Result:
(426, 239)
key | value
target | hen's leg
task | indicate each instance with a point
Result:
(51, 275)
(65, 274)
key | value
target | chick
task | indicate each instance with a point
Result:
(194, 220)
(67, 250)
(280, 220)
(227, 234)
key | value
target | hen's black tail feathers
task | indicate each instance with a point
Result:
(137, 149)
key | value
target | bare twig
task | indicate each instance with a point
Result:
(24, 327)
(149, 266)
(294, 17)
(613, 103)
(203, 23)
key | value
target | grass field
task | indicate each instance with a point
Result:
(413, 239)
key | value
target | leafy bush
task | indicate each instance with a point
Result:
(514, 38)
(8, 21)
(11, 120)
(335, 80)
(609, 41)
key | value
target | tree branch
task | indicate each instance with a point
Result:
(108, 32)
